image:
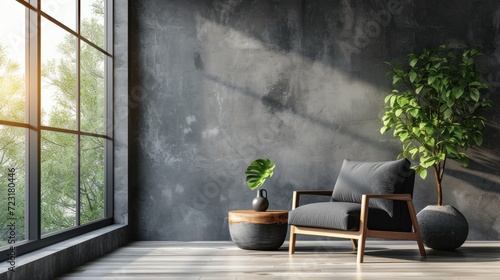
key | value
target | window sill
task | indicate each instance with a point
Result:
(59, 258)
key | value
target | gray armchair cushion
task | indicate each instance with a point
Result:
(358, 178)
(341, 215)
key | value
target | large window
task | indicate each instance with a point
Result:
(55, 120)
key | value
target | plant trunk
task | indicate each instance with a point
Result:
(440, 194)
(438, 184)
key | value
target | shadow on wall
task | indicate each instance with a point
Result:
(343, 31)
(279, 105)
(351, 33)
(483, 171)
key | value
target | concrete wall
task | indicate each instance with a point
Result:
(218, 83)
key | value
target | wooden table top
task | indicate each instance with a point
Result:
(255, 217)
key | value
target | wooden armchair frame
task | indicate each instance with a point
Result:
(358, 237)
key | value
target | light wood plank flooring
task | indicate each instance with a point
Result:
(312, 260)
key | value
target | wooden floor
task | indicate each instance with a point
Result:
(312, 260)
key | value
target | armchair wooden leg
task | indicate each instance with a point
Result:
(363, 227)
(291, 245)
(416, 228)
(361, 248)
(421, 247)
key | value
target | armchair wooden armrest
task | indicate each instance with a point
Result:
(297, 194)
(402, 197)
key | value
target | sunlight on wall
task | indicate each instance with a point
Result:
(327, 93)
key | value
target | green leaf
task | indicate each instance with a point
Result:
(406, 154)
(392, 100)
(421, 149)
(386, 119)
(450, 102)
(416, 130)
(429, 129)
(396, 80)
(447, 113)
(474, 94)
(419, 89)
(413, 62)
(431, 80)
(457, 92)
(258, 171)
(464, 160)
(388, 97)
(452, 149)
(426, 162)
(423, 173)
(458, 131)
(403, 135)
(413, 76)
(478, 138)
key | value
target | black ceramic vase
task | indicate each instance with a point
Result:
(260, 202)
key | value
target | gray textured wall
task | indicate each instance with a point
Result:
(218, 83)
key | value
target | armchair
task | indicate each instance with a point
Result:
(370, 199)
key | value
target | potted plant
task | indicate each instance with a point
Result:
(257, 172)
(258, 230)
(435, 110)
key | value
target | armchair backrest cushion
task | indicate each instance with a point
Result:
(358, 178)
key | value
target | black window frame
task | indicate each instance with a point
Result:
(33, 125)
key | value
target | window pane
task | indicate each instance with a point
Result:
(92, 91)
(12, 183)
(63, 11)
(58, 56)
(93, 21)
(92, 179)
(58, 181)
(12, 62)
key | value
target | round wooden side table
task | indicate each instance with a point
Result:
(254, 230)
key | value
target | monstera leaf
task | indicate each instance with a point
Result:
(258, 171)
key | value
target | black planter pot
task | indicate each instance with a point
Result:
(443, 227)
